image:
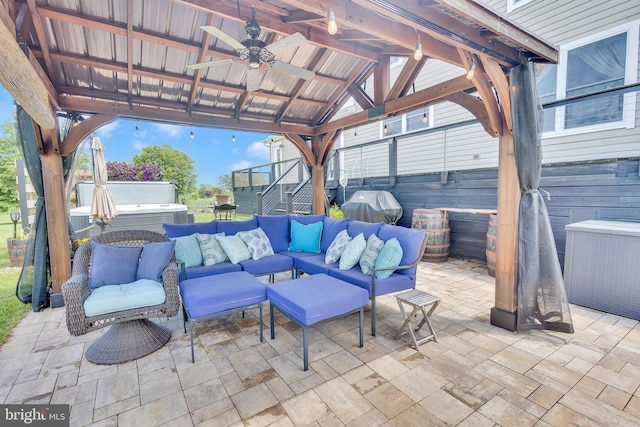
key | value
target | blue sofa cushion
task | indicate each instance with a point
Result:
(330, 229)
(153, 260)
(276, 227)
(371, 251)
(235, 248)
(306, 219)
(314, 264)
(257, 242)
(396, 282)
(366, 228)
(352, 252)
(269, 264)
(389, 256)
(112, 265)
(111, 298)
(211, 270)
(305, 238)
(188, 250)
(312, 299)
(177, 230)
(232, 227)
(209, 295)
(411, 242)
(297, 255)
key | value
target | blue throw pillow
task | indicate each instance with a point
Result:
(153, 260)
(235, 248)
(389, 256)
(188, 250)
(352, 252)
(305, 238)
(112, 265)
(330, 229)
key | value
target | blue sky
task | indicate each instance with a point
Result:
(212, 150)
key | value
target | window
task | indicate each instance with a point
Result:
(409, 122)
(601, 61)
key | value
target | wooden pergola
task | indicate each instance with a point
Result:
(129, 58)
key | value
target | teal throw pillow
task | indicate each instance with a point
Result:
(257, 242)
(212, 252)
(235, 248)
(337, 247)
(305, 238)
(188, 250)
(371, 251)
(154, 259)
(113, 265)
(352, 252)
(389, 256)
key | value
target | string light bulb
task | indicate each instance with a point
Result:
(332, 26)
(417, 54)
(472, 70)
(233, 137)
(355, 131)
(424, 115)
(191, 135)
(385, 129)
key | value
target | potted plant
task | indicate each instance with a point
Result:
(222, 199)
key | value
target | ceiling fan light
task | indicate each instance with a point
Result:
(332, 26)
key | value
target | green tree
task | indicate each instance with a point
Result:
(209, 190)
(9, 152)
(176, 166)
(83, 160)
(225, 182)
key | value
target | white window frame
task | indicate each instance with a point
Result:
(631, 74)
(514, 4)
(430, 114)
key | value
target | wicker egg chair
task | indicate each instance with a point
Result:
(132, 334)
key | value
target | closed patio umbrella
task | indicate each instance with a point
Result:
(103, 208)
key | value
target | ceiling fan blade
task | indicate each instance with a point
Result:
(209, 64)
(253, 79)
(218, 33)
(285, 43)
(292, 69)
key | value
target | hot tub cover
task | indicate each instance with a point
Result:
(373, 206)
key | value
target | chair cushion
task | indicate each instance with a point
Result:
(112, 265)
(235, 248)
(112, 298)
(153, 260)
(232, 227)
(371, 251)
(366, 228)
(396, 282)
(352, 252)
(210, 270)
(311, 299)
(276, 227)
(330, 229)
(314, 264)
(306, 219)
(177, 230)
(212, 252)
(209, 295)
(389, 256)
(188, 250)
(305, 238)
(337, 247)
(257, 242)
(270, 264)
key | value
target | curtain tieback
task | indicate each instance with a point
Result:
(536, 190)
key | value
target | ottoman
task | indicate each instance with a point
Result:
(312, 299)
(212, 296)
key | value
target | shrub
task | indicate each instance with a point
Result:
(123, 171)
(335, 212)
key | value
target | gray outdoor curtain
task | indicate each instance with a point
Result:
(542, 299)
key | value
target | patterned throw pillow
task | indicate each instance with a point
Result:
(257, 242)
(371, 251)
(212, 252)
(235, 248)
(336, 248)
(352, 252)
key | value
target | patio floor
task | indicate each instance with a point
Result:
(476, 375)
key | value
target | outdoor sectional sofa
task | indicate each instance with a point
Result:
(278, 230)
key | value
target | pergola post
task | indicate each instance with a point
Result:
(504, 313)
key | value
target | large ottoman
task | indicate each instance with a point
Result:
(212, 296)
(315, 298)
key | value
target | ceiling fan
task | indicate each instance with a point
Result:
(257, 51)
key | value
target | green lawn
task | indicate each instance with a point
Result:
(11, 309)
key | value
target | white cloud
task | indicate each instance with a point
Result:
(258, 150)
(138, 145)
(235, 151)
(167, 129)
(106, 130)
(244, 164)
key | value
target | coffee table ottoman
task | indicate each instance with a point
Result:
(312, 299)
(207, 297)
